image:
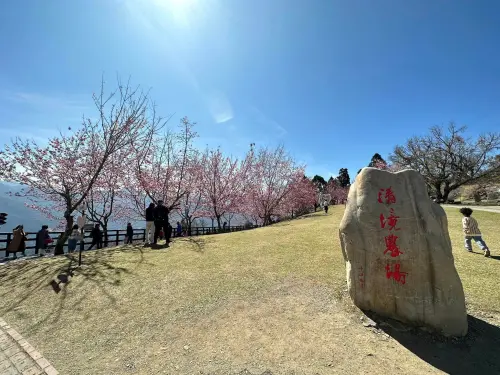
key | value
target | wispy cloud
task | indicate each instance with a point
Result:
(40, 135)
(44, 102)
(219, 107)
(267, 122)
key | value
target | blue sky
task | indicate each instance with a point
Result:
(335, 81)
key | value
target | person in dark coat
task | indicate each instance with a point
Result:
(18, 243)
(150, 223)
(179, 230)
(130, 233)
(169, 233)
(42, 236)
(161, 220)
(96, 237)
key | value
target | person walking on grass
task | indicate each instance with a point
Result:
(75, 237)
(130, 234)
(96, 237)
(472, 232)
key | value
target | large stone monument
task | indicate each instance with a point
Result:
(398, 254)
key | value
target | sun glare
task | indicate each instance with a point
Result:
(180, 10)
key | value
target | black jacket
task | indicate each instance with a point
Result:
(160, 213)
(130, 231)
(96, 234)
(150, 216)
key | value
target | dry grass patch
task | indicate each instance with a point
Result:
(266, 298)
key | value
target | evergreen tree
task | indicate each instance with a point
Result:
(343, 178)
(376, 160)
(319, 181)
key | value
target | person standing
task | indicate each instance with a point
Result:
(130, 234)
(96, 237)
(150, 223)
(169, 233)
(179, 230)
(41, 236)
(160, 214)
(18, 243)
(325, 206)
(74, 238)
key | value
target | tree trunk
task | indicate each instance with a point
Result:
(105, 232)
(218, 222)
(437, 190)
(446, 193)
(59, 248)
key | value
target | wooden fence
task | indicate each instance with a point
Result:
(114, 237)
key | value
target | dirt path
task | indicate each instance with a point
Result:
(299, 328)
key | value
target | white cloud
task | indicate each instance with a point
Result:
(219, 107)
(45, 102)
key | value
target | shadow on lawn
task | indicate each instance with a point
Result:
(62, 274)
(496, 257)
(197, 243)
(477, 353)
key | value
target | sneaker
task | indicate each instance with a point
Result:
(486, 253)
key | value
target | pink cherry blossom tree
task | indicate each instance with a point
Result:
(271, 183)
(191, 203)
(337, 192)
(59, 176)
(105, 201)
(302, 197)
(222, 183)
(159, 171)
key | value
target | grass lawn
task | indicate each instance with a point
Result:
(271, 298)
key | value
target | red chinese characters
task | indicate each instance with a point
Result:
(361, 277)
(391, 246)
(396, 274)
(387, 196)
(391, 221)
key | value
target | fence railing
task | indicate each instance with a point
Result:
(114, 237)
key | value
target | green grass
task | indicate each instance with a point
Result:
(126, 304)
(478, 274)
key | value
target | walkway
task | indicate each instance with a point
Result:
(495, 209)
(17, 357)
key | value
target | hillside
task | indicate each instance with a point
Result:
(272, 298)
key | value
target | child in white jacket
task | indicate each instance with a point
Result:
(472, 232)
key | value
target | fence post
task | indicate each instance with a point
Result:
(143, 235)
(117, 237)
(9, 239)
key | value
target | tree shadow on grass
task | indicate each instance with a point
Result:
(476, 353)
(99, 271)
(196, 243)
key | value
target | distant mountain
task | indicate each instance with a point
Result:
(18, 213)
(33, 220)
